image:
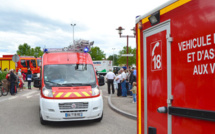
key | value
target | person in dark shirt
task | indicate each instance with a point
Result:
(29, 78)
(12, 80)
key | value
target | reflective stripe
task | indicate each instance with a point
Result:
(59, 94)
(139, 85)
(85, 93)
(68, 94)
(168, 8)
(77, 94)
(173, 6)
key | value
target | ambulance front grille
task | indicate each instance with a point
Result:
(73, 105)
(73, 111)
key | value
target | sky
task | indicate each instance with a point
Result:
(47, 23)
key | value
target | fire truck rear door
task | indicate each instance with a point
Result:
(157, 78)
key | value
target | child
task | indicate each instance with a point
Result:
(23, 76)
(21, 82)
(134, 92)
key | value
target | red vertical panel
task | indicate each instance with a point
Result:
(157, 81)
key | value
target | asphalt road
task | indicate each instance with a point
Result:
(20, 115)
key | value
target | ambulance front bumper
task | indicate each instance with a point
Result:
(71, 109)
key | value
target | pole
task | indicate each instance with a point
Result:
(127, 51)
(73, 35)
(120, 32)
(73, 25)
(113, 55)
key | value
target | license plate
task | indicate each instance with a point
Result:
(73, 114)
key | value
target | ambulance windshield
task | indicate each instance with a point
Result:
(69, 75)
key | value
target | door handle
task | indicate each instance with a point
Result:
(162, 109)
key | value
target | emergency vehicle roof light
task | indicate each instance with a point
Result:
(86, 49)
(78, 46)
(155, 18)
(45, 50)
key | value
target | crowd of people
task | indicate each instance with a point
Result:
(15, 80)
(126, 82)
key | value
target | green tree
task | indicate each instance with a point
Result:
(38, 52)
(123, 59)
(96, 53)
(26, 50)
(115, 59)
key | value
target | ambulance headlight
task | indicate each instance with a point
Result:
(47, 92)
(95, 91)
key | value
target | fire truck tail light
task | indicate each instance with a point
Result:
(47, 92)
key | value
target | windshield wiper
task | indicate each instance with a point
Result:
(54, 83)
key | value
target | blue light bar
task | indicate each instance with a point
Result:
(86, 49)
(45, 50)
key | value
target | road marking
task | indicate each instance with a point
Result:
(12, 97)
(37, 94)
(28, 97)
(27, 94)
(3, 99)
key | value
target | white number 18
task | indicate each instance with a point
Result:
(157, 61)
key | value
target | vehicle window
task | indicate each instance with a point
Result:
(23, 63)
(69, 74)
(28, 63)
(39, 62)
(33, 63)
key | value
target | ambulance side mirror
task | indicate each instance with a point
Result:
(101, 80)
(37, 82)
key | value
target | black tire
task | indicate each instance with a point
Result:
(99, 119)
(4, 91)
(43, 122)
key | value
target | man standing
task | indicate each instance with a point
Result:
(134, 71)
(123, 83)
(110, 76)
(29, 78)
(12, 79)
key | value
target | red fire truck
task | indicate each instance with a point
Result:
(176, 66)
(69, 85)
(26, 62)
(23, 63)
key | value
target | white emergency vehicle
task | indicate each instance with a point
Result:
(102, 66)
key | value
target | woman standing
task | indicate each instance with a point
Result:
(118, 80)
(29, 78)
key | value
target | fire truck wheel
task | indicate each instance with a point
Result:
(41, 119)
(99, 119)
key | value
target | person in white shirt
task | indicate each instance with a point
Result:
(110, 76)
(118, 80)
(123, 83)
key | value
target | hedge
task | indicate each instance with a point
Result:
(3, 75)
